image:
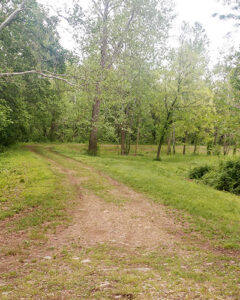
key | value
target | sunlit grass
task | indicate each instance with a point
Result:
(29, 188)
(214, 213)
(185, 271)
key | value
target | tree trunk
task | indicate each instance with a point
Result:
(225, 145)
(92, 147)
(137, 141)
(184, 143)
(128, 144)
(160, 146)
(215, 137)
(45, 131)
(165, 128)
(195, 145)
(123, 142)
(174, 140)
(235, 148)
(169, 150)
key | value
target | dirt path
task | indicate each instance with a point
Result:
(118, 245)
(137, 223)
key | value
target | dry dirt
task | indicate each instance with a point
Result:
(137, 223)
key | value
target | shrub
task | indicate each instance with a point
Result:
(225, 177)
(211, 178)
(199, 172)
(229, 176)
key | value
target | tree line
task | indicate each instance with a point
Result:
(124, 83)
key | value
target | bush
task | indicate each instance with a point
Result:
(199, 172)
(211, 178)
(229, 176)
(225, 177)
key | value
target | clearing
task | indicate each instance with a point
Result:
(110, 227)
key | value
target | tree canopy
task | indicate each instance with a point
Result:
(125, 84)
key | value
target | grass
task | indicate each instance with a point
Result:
(89, 180)
(113, 271)
(216, 214)
(182, 272)
(29, 190)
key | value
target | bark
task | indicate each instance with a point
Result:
(45, 131)
(160, 146)
(169, 150)
(235, 148)
(128, 144)
(92, 147)
(105, 63)
(225, 145)
(44, 74)
(195, 145)
(165, 128)
(137, 141)
(215, 137)
(168, 122)
(174, 140)
(123, 142)
(184, 143)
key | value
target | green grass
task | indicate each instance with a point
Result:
(145, 275)
(89, 180)
(214, 213)
(29, 190)
(185, 271)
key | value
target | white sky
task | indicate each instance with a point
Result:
(187, 10)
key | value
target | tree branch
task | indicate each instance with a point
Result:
(13, 15)
(97, 8)
(49, 75)
(119, 45)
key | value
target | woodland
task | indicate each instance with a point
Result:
(119, 158)
(124, 84)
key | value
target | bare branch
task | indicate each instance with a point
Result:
(97, 8)
(13, 15)
(49, 75)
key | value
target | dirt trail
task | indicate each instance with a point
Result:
(137, 223)
(70, 264)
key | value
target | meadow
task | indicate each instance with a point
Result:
(214, 213)
(75, 226)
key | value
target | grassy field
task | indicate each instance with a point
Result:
(30, 191)
(38, 196)
(214, 213)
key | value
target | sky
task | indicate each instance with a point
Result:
(187, 10)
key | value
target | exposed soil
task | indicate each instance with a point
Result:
(137, 223)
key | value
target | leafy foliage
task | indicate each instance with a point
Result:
(225, 177)
(199, 172)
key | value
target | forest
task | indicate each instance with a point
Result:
(125, 85)
(119, 159)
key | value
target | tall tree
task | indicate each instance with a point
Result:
(109, 27)
(180, 84)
